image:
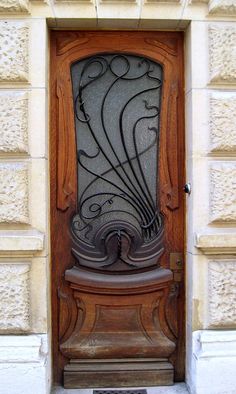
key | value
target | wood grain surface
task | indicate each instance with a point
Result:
(96, 317)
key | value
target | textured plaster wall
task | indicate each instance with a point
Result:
(222, 293)
(14, 121)
(222, 54)
(210, 69)
(14, 288)
(222, 122)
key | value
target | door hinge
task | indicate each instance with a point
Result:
(176, 265)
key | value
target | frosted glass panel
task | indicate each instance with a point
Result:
(117, 111)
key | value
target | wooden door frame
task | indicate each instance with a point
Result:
(62, 200)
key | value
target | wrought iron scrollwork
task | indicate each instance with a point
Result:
(118, 225)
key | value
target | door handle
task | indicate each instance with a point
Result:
(187, 188)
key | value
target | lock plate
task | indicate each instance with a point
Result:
(176, 265)
(176, 261)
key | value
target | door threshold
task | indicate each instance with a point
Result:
(178, 388)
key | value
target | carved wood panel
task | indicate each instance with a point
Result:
(94, 314)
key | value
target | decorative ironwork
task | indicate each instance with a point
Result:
(117, 101)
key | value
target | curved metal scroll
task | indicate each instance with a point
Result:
(118, 225)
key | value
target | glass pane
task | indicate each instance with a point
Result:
(117, 105)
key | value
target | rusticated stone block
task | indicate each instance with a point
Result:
(223, 122)
(223, 192)
(222, 50)
(222, 7)
(13, 122)
(222, 293)
(14, 193)
(14, 5)
(14, 295)
(14, 37)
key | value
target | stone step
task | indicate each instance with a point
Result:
(178, 388)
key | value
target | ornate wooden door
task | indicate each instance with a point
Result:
(117, 205)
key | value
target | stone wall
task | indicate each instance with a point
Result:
(24, 267)
(211, 209)
(210, 69)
